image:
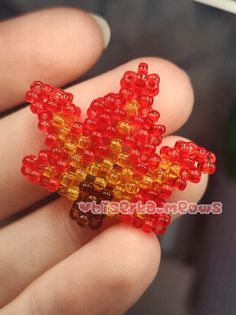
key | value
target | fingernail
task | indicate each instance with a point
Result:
(104, 27)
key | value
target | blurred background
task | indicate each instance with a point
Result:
(198, 269)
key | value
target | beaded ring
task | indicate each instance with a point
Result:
(114, 154)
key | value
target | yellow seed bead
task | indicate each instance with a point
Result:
(94, 169)
(160, 176)
(132, 187)
(74, 160)
(174, 171)
(72, 193)
(47, 171)
(62, 134)
(116, 145)
(146, 182)
(132, 107)
(99, 183)
(121, 159)
(83, 142)
(67, 179)
(113, 177)
(165, 164)
(107, 165)
(124, 127)
(119, 192)
(58, 121)
(62, 191)
(126, 173)
(70, 146)
(81, 174)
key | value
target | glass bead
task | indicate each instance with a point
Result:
(80, 174)
(75, 160)
(47, 171)
(119, 192)
(94, 169)
(131, 187)
(70, 146)
(52, 184)
(146, 182)
(124, 127)
(83, 142)
(44, 125)
(76, 129)
(51, 140)
(113, 177)
(35, 176)
(58, 121)
(126, 173)
(121, 159)
(67, 179)
(131, 107)
(107, 165)
(99, 183)
(88, 156)
(72, 193)
(116, 145)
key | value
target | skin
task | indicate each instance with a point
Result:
(49, 265)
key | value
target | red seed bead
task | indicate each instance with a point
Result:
(195, 175)
(69, 110)
(43, 157)
(52, 184)
(35, 176)
(143, 136)
(76, 129)
(180, 184)
(211, 157)
(51, 140)
(154, 162)
(201, 154)
(29, 161)
(146, 100)
(111, 132)
(44, 125)
(208, 168)
(153, 117)
(137, 121)
(158, 130)
(53, 106)
(88, 156)
(134, 156)
(128, 79)
(118, 114)
(143, 68)
(125, 94)
(61, 166)
(36, 108)
(102, 151)
(152, 87)
(149, 149)
(96, 137)
(95, 108)
(165, 191)
(141, 168)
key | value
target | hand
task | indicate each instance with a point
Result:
(48, 264)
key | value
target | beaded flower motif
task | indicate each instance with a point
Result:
(114, 154)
